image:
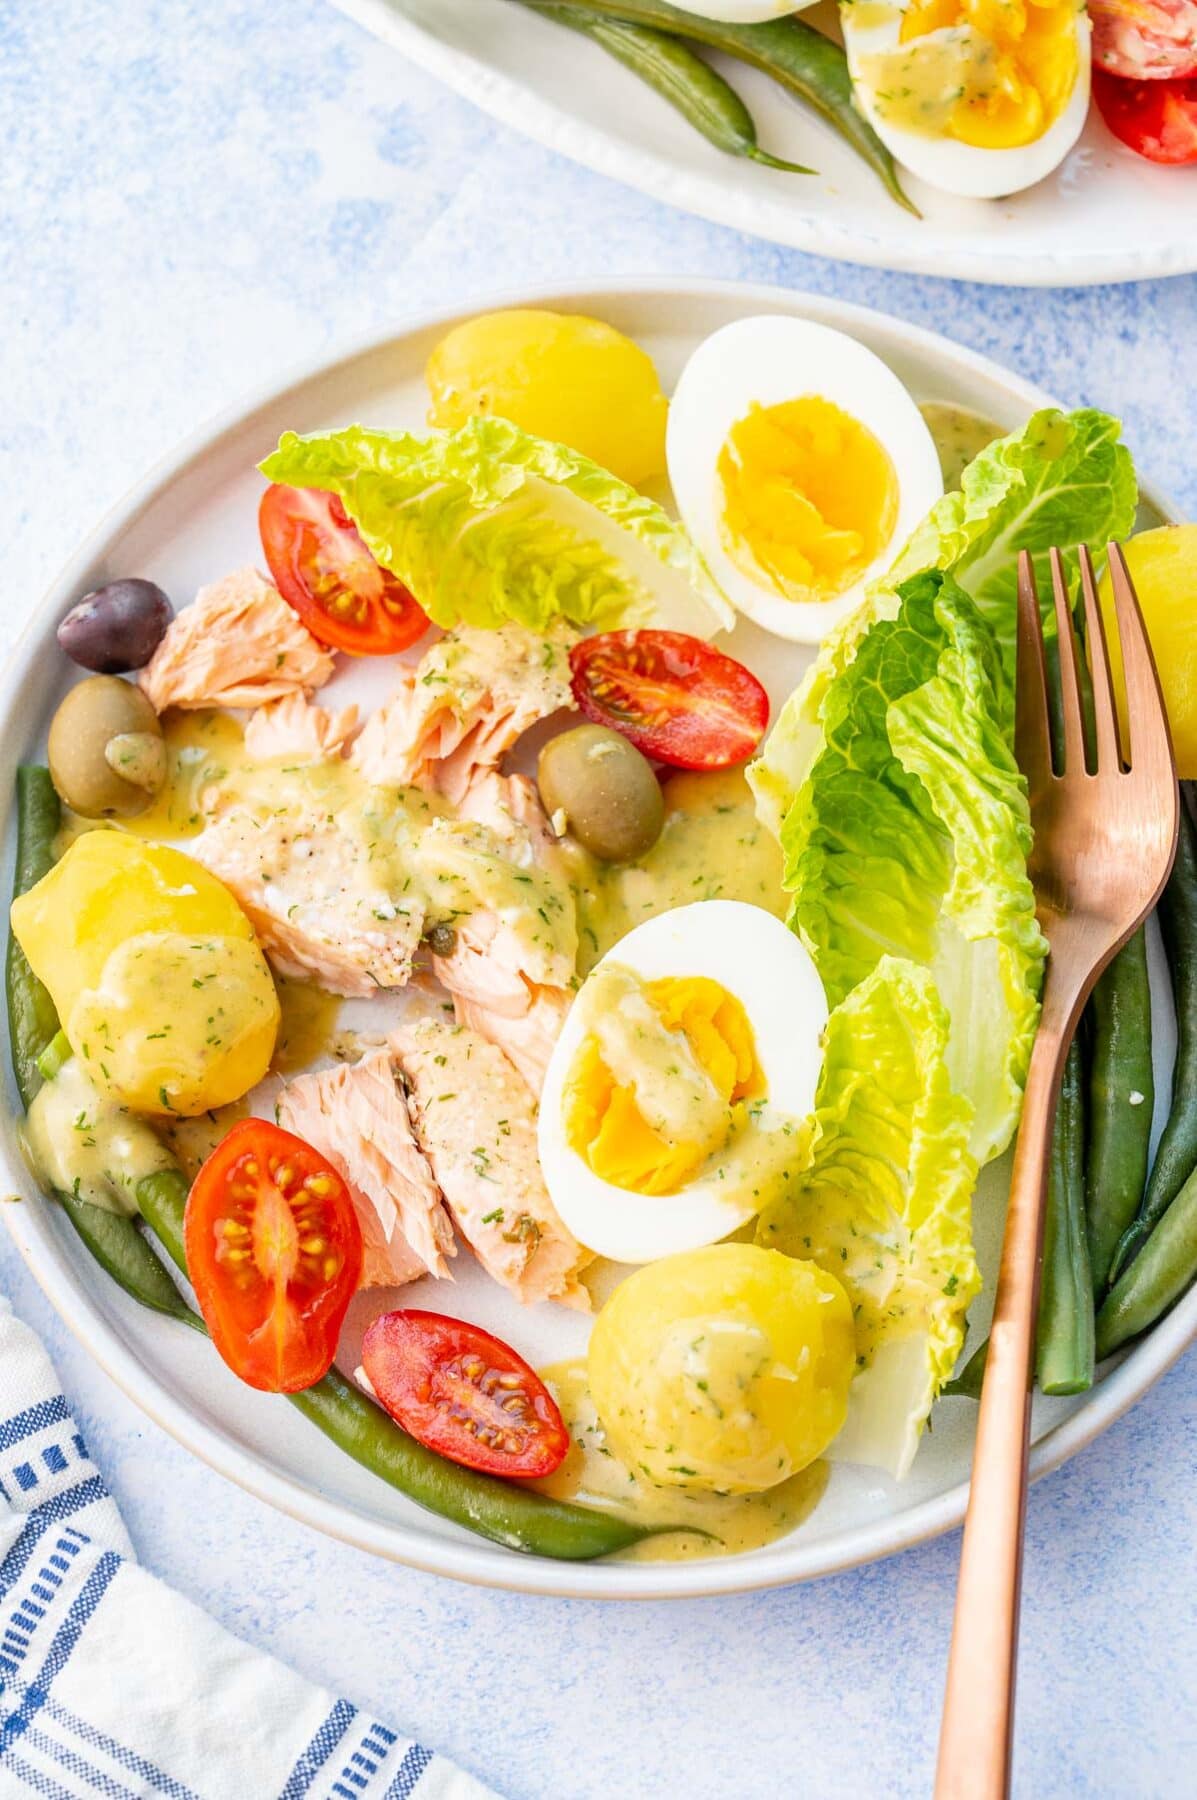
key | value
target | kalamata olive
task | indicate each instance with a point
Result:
(116, 628)
(442, 939)
(601, 788)
(107, 754)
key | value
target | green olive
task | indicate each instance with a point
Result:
(598, 786)
(107, 753)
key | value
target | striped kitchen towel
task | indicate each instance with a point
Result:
(113, 1685)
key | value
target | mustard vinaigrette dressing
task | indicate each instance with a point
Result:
(592, 1474)
(712, 847)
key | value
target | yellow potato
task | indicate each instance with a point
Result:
(1163, 566)
(725, 1369)
(154, 969)
(560, 376)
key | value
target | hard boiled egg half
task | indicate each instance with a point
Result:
(677, 1097)
(978, 97)
(746, 12)
(800, 465)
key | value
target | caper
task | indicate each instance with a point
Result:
(598, 786)
(442, 939)
(107, 753)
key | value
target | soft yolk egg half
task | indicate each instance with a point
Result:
(677, 1095)
(800, 465)
(978, 97)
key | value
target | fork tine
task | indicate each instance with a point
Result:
(1070, 693)
(1149, 752)
(1032, 736)
(1104, 714)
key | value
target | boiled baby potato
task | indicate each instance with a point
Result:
(1163, 567)
(724, 1369)
(560, 376)
(159, 982)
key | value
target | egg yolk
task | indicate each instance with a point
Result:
(809, 497)
(686, 1032)
(993, 73)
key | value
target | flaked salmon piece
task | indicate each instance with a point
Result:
(296, 726)
(320, 908)
(356, 1116)
(239, 644)
(527, 1038)
(512, 985)
(475, 1120)
(463, 707)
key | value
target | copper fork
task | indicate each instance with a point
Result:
(1104, 843)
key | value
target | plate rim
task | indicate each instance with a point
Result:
(522, 109)
(468, 1559)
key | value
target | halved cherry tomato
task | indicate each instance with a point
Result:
(322, 568)
(676, 699)
(274, 1251)
(1158, 119)
(464, 1393)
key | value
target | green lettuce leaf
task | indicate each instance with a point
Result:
(486, 524)
(885, 1205)
(909, 838)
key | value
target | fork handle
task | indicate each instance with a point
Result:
(978, 1715)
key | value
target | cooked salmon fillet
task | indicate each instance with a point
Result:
(513, 987)
(239, 644)
(463, 707)
(356, 1116)
(321, 911)
(295, 726)
(475, 1120)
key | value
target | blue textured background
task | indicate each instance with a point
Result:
(194, 194)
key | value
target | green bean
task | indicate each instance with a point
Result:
(1121, 1093)
(799, 58)
(113, 1240)
(518, 1517)
(57, 1052)
(704, 99)
(1064, 1346)
(32, 1018)
(1176, 1157)
(1159, 1275)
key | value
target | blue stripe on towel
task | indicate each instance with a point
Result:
(39, 1520)
(77, 1765)
(319, 1750)
(408, 1773)
(34, 1418)
(65, 1639)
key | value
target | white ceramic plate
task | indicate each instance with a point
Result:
(192, 520)
(1103, 215)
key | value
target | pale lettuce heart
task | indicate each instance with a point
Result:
(884, 1204)
(487, 524)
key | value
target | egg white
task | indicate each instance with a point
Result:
(758, 960)
(765, 361)
(745, 12)
(943, 162)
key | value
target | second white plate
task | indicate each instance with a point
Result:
(1104, 215)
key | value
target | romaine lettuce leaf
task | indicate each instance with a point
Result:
(487, 524)
(909, 838)
(884, 1203)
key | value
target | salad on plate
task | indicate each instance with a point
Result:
(431, 926)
